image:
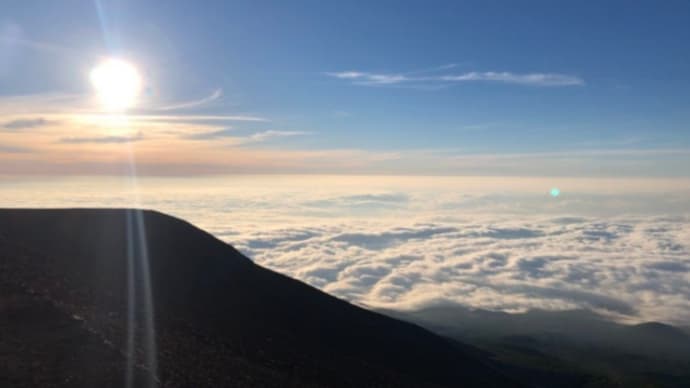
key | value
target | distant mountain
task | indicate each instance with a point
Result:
(80, 290)
(663, 333)
(575, 348)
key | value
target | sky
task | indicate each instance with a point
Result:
(498, 154)
(584, 89)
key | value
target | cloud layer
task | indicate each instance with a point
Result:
(634, 268)
(621, 247)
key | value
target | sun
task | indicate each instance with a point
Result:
(117, 83)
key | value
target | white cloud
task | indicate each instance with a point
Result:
(231, 135)
(633, 267)
(215, 95)
(363, 78)
(270, 134)
(529, 79)
(534, 79)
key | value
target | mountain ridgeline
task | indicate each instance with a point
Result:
(119, 297)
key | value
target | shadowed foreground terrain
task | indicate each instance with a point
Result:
(575, 348)
(74, 305)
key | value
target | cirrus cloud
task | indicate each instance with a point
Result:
(412, 78)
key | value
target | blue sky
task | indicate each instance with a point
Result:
(470, 77)
(510, 99)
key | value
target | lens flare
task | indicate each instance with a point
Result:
(117, 84)
(555, 192)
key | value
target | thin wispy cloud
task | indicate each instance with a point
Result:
(217, 94)
(63, 106)
(534, 79)
(372, 78)
(195, 118)
(267, 135)
(527, 79)
(230, 133)
(43, 104)
(103, 139)
(11, 35)
(26, 123)
(210, 135)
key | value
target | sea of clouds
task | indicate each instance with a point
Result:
(631, 267)
(621, 248)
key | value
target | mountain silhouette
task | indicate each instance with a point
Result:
(124, 297)
(570, 348)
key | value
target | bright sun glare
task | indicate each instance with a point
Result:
(117, 84)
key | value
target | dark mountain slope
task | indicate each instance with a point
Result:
(220, 320)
